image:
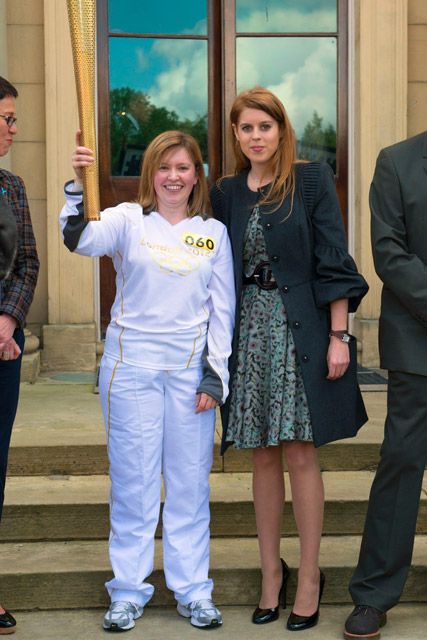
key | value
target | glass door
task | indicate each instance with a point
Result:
(167, 66)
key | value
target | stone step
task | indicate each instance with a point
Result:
(91, 458)
(405, 622)
(76, 507)
(59, 430)
(71, 575)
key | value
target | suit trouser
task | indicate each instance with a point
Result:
(388, 538)
(152, 427)
(10, 371)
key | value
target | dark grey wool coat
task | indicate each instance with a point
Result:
(312, 267)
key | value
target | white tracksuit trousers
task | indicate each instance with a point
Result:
(152, 427)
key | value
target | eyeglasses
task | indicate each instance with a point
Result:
(10, 120)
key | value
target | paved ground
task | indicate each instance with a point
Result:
(406, 622)
(68, 412)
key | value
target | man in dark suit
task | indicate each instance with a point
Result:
(398, 200)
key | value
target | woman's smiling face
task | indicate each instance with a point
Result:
(174, 180)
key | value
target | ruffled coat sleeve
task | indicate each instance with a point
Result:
(336, 272)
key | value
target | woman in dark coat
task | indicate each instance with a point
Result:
(293, 382)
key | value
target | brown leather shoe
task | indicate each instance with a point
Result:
(364, 622)
(7, 623)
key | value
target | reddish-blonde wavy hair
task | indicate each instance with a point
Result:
(284, 158)
(153, 156)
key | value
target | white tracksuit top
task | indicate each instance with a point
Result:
(174, 287)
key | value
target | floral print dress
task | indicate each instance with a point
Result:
(268, 403)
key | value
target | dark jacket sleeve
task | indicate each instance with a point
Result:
(8, 237)
(18, 288)
(336, 272)
(75, 224)
(401, 271)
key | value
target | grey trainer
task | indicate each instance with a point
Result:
(203, 614)
(121, 616)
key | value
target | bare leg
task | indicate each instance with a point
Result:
(307, 503)
(269, 495)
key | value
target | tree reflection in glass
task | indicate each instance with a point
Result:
(155, 85)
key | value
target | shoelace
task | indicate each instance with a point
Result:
(361, 610)
(122, 607)
(207, 605)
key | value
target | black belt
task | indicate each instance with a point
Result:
(262, 277)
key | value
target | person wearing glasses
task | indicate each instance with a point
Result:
(16, 294)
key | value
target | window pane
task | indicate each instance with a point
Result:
(305, 81)
(288, 16)
(155, 85)
(146, 16)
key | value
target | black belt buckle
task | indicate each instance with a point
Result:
(264, 276)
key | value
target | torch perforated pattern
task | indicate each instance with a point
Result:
(82, 19)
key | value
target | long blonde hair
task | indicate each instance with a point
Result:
(284, 158)
(153, 156)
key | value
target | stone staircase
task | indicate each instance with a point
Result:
(55, 524)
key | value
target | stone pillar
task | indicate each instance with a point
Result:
(69, 347)
(31, 359)
(69, 339)
(417, 67)
(381, 120)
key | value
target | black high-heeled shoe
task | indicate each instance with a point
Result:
(299, 623)
(263, 616)
(7, 623)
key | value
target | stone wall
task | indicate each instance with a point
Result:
(417, 66)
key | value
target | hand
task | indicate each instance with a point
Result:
(82, 157)
(7, 327)
(10, 351)
(338, 358)
(204, 402)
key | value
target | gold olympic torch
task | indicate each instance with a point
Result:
(82, 19)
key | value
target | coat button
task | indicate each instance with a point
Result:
(268, 226)
(275, 258)
(285, 289)
(297, 325)
(305, 358)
